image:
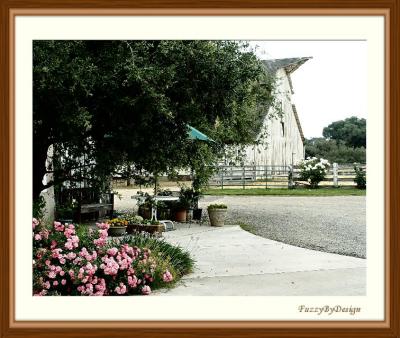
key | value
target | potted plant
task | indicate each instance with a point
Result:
(145, 203)
(180, 210)
(217, 214)
(189, 199)
(133, 222)
(148, 226)
(117, 227)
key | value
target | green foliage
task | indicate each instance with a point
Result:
(352, 131)
(38, 208)
(334, 151)
(179, 258)
(189, 197)
(128, 103)
(360, 178)
(217, 206)
(66, 211)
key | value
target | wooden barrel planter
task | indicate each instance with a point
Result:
(149, 228)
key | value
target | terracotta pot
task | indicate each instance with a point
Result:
(217, 217)
(180, 215)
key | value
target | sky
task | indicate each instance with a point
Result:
(331, 86)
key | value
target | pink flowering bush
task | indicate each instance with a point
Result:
(69, 260)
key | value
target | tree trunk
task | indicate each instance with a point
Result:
(38, 168)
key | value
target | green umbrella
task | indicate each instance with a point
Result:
(195, 134)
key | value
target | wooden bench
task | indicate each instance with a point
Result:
(99, 209)
(100, 205)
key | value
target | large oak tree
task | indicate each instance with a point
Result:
(117, 102)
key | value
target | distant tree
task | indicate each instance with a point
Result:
(334, 151)
(352, 131)
(129, 102)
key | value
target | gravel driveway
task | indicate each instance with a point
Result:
(331, 224)
(334, 224)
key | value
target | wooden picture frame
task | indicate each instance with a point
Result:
(389, 327)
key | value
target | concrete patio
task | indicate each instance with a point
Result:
(234, 262)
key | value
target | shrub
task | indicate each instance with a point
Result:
(38, 207)
(75, 260)
(217, 206)
(313, 170)
(360, 178)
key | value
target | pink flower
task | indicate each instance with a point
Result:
(167, 276)
(52, 274)
(70, 255)
(112, 251)
(63, 281)
(62, 273)
(35, 222)
(56, 253)
(72, 242)
(103, 226)
(77, 260)
(111, 267)
(47, 285)
(121, 289)
(58, 226)
(69, 232)
(146, 290)
(68, 244)
(44, 233)
(38, 237)
(53, 244)
(100, 242)
(132, 281)
(55, 283)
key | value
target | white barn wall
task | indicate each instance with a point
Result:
(283, 147)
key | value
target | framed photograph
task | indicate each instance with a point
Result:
(272, 125)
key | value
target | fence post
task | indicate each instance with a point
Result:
(244, 177)
(222, 178)
(290, 177)
(335, 175)
(266, 177)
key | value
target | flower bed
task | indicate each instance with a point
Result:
(75, 260)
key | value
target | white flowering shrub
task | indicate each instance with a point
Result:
(314, 170)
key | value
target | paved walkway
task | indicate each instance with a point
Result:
(231, 261)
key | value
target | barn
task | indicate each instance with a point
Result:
(284, 143)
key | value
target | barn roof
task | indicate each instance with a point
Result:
(290, 64)
(296, 116)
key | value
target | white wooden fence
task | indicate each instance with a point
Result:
(277, 176)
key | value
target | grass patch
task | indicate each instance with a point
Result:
(248, 228)
(287, 192)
